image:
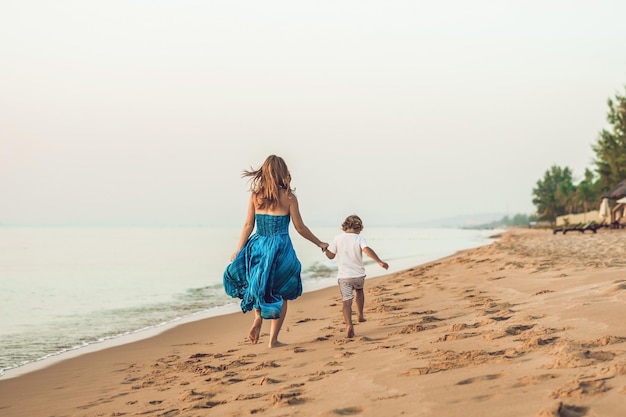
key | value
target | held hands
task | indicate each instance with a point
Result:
(323, 246)
(383, 264)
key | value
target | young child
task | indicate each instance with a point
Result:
(349, 247)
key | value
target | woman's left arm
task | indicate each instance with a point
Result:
(301, 228)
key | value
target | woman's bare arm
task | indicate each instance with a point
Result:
(301, 228)
(247, 229)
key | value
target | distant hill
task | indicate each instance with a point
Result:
(464, 220)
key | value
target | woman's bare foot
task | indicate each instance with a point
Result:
(350, 331)
(276, 344)
(362, 319)
(255, 330)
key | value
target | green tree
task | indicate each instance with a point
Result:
(587, 192)
(554, 194)
(610, 147)
(520, 220)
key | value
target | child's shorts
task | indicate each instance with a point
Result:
(348, 285)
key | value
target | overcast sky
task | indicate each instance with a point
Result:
(146, 112)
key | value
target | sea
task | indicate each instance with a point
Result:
(69, 290)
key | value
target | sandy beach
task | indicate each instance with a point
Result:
(531, 325)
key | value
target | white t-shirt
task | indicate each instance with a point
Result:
(348, 248)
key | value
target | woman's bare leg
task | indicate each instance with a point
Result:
(255, 330)
(276, 325)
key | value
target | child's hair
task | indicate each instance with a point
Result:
(353, 222)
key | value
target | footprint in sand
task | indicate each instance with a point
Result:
(480, 378)
(515, 330)
(579, 389)
(563, 410)
(193, 396)
(305, 320)
(463, 326)
(348, 411)
(496, 278)
(264, 365)
(420, 313)
(414, 328)
(249, 396)
(571, 355)
(603, 341)
(420, 371)
(321, 375)
(533, 380)
(292, 397)
(343, 355)
(456, 336)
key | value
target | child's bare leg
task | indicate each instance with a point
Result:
(276, 325)
(360, 302)
(347, 317)
(255, 330)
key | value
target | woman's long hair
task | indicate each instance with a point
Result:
(267, 181)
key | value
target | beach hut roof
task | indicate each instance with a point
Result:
(616, 192)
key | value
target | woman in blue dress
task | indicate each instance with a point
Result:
(264, 271)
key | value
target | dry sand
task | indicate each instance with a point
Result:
(532, 325)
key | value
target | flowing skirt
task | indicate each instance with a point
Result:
(263, 274)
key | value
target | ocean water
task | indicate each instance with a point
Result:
(67, 290)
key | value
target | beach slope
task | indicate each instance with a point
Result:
(531, 325)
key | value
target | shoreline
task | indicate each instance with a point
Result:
(114, 341)
(135, 336)
(398, 265)
(147, 333)
(527, 325)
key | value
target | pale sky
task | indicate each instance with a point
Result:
(146, 112)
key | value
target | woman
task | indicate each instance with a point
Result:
(264, 271)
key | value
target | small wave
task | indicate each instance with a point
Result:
(320, 270)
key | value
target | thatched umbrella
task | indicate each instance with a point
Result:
(616, 192)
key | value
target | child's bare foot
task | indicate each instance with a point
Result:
(350, 332)
(255, 331)
(362, 319)
(276, 344)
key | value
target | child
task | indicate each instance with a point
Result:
(349, 247)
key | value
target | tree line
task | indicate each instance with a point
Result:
(558, 193)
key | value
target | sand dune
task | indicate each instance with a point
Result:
(532, 325)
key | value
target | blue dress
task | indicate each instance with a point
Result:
(266, 271)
